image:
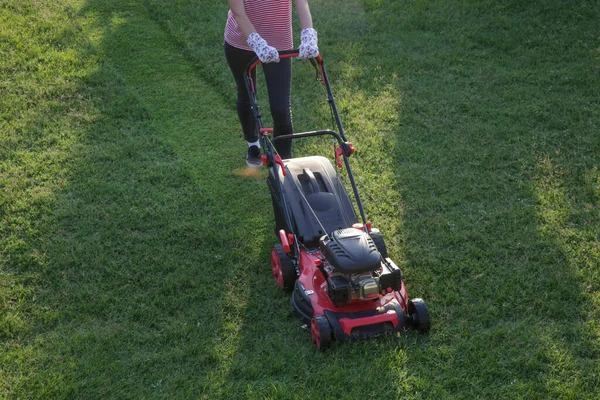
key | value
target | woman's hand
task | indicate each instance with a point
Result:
(264, 52)
(308, 44)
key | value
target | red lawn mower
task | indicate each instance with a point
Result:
(343, 285)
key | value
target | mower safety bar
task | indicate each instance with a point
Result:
(346, 147)
(283, 54)
(308, 134)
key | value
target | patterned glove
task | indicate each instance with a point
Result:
(308, 44)
(264, 52)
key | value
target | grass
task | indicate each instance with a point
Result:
(134, 254)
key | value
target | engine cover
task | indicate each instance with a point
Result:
(350, 251)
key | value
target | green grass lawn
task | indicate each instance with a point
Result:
(134, 255)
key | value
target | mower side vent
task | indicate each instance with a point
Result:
(335, 248)
(372, 245)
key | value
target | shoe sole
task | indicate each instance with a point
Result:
(254, 164)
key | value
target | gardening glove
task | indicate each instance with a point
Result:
(308, 44)
(264, 52)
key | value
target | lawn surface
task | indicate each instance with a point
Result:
(134, 250)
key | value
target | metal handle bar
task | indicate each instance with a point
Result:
(282, 54)
(346, 148)
(308, 134)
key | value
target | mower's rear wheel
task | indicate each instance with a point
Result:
(379, 242)
(320, 332)
(417, 309)
(283, 268)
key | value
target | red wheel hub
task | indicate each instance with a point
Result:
(315, 332)
(276, 268)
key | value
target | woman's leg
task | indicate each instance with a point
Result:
(279, 82)
(238, 59)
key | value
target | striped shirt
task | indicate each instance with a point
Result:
(272, 20)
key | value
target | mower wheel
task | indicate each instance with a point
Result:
(401, 327)
(283, 268)
(419, 315)
(320, 332)
(379, 242)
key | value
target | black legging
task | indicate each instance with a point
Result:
(279, 79)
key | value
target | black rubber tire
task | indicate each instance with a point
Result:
(320, 332)
(401, 327)
(301, 305)
(417, 310)
(379, 242)
(286, 266)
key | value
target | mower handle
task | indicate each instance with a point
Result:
(293, 53)
(345, 148)
(283, 54)
(307, 134)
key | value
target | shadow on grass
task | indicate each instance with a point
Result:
(143, 247)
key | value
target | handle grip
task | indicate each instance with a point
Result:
(282, 54)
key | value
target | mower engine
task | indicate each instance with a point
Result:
(354, 268)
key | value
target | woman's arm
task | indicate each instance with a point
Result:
(304, 14)
(239, 13)
(262, 49)
(308, 36)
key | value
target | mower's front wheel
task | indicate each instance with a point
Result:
(401, 327)
(283, 268)
(320, 332)
(419, 315)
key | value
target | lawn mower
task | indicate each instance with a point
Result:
(343, 285)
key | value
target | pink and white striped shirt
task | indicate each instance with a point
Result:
(272, 20)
